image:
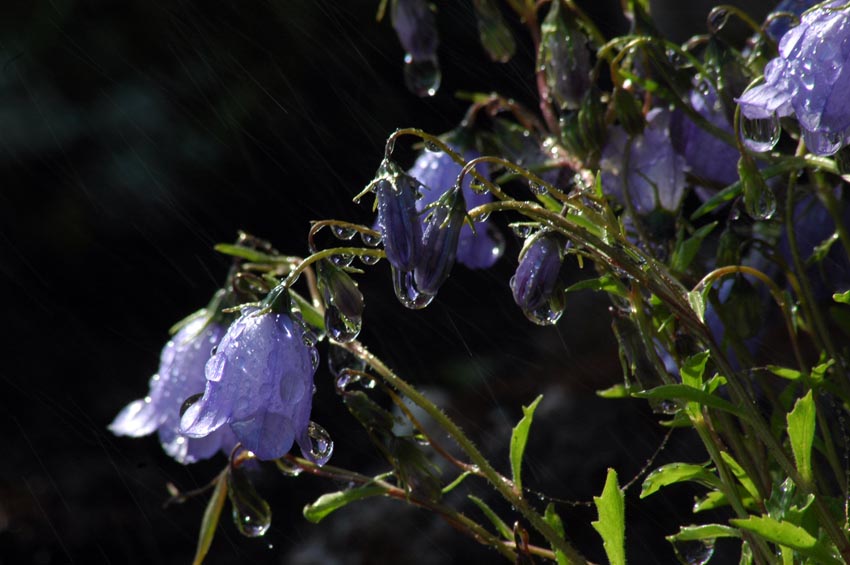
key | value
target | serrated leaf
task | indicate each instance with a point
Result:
(673, 473)
(801, 432)
(684, 392)
(693, 369)
(712, 500)
(209, 522)
(611, 524)
(704, 532)
(552, 518)
(328, 503)
(687, 249)
(789, 535)
(519, 438)
(497, 522)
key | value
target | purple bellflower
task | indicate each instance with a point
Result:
(260, 386)
(416, 27)
(707, 157)
(534, 283)
(809, 80)
(646, 164)
(180, 376)
(437, 172)
(780, 26)
(443, 224)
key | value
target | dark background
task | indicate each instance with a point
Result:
(136, 135)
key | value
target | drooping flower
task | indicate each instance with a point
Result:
(534, 283)
(343, 301)
(646, 164)
(398, 220)
(180, 376)
(564, 58)
(259, 384)
(809, 80)
(438, 172)
(707, 157)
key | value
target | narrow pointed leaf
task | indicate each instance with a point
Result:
(552, 518)
(497, 522)
(740, 474)
(519, 438)
(704, 532)
(210, 520)
(801, 432)
(673, 473)
(328, 503)
(611, 524)
(685, 392)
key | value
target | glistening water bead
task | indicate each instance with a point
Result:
(760, 134)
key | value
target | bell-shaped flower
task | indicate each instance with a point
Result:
(443, 224)
(180, 376)
(809, 80)
(260, 385)
(534, 283)
(645, 168)
(564, 58)
(438, 172)
(398, 219)
(707, 157)
(343, 301)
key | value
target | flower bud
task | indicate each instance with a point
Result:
(536, 277)
(343, 301)
(440, 242)
(398, 220)
(564, 58)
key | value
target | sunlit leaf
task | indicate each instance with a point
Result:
(328, 503)
(519, 438)
(789, 535)
(552, 518)
(212, 514)
(704, 532)
(801, 432)
(497, 522)
(611, 524)
(685, 392)
(673, 473)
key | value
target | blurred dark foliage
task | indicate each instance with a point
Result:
(136, 135)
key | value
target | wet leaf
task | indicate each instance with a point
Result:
(703, 532)
(611, 524)
(789, 535)
(685, 392)
(519, 438)
(673, 473)
(842, 297)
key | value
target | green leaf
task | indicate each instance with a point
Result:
(696, 299)
(693, 369)
(312, 317)
(714, 499)
(616, 391)
(328, 503)
(519, 438)
(686, 250)
(785, 372)
(789, 535)
(246, 253)
(704, 532)
(210, 519)
(673, 473)
(605, 283)
(842, 297)
(552, 518)
(685, 392)
(801, 432)
(455, 483)
(497, 522)
(611, 525)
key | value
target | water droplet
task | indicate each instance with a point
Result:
(214, 350)
(346, 377)
(341, 359)
(536, 188)
(322, 445)
(341, 327)
(546, 315)
(251, 514)
(759, 200)
(369, 259)
(522, 229)
(478, 187)
(343, 232)
(288, 469)
(314, 358)
(406, 291)
(823, 143)
(309, 338)
(696, 552)
(482, 217)
(760, 135)
(372, 239)
(188, 402)
(432, 147)
(422, 77)
(676, 59)
(669, 407)
(342, 260)
(717, 19)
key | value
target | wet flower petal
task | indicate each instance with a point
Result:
(398, 220)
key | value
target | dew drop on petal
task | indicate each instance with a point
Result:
(760, 135)
(189, 402)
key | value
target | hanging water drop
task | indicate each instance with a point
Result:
(522, 229)
(341, 327)
(477, 187)
(322, 445)
(187, 403)
(369, 259)
(432, 146)
(422, 77)
(536, 188)
(406, 291)
(314, 358)
(676, 59)
(760, 135)
(343, 232)
(251, 514)
(823, 143)
(717, 19)
(695, 552)
(287, 468)
(546, 315)
(372, 239)
(342, 259)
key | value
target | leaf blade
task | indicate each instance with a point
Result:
(611, 524)
(519, 439)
